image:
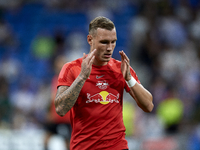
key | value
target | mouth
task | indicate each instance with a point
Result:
(107, 55)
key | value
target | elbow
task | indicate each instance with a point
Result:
(59, 108)
(59, 112)
(149, 108)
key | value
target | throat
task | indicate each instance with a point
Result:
(100, 63)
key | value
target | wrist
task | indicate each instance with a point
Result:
(131, 82)
(83, 77)
(128, 78)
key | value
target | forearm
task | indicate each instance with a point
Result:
(67, 96)
(137, 91)
(142, 97)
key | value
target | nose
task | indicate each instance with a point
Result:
(109, 47)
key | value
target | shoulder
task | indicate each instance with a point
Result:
(73, 66)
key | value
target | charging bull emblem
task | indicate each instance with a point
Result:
(103, 97)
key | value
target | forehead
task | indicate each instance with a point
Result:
(106, 34)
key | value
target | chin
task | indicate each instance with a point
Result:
(106, 60)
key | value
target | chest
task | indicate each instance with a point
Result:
(101, 94)
(103, 87)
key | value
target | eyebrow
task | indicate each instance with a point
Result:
(108, 40)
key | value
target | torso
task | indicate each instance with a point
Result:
(96, 117)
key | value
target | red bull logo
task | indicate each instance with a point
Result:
(103, 97)
(102, 84)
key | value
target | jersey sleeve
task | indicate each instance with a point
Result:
(134, 76)
(66, 76)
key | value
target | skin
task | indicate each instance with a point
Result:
(142, 96)
(102, 44)
(104, 41)
(67, 96)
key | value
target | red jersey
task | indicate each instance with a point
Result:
(96, 117)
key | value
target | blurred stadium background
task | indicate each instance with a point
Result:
(161, 38)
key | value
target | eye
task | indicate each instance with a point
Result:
(104, 42)
(113, 42)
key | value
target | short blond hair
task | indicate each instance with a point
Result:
(100, 22)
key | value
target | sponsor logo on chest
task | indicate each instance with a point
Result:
(103, 97)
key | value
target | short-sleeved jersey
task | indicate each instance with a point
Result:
(96, 117)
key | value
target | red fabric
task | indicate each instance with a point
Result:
(96, 117)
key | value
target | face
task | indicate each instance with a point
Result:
(104, 42)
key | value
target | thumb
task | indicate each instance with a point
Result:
(84, 55)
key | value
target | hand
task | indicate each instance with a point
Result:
(125, 66)
(86, 65)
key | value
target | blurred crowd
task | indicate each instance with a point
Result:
(161, 38)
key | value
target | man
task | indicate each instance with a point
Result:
(91, 88)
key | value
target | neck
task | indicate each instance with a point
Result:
(99, 63)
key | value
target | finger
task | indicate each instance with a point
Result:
(84, 56)
(90, 55)
(91, 61)
(125, 56)
(124, 72)
(127, 63)
(121, 52)
(122, 56)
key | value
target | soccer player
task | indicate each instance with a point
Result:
(92, 87)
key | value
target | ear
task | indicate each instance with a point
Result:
(90, 39)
